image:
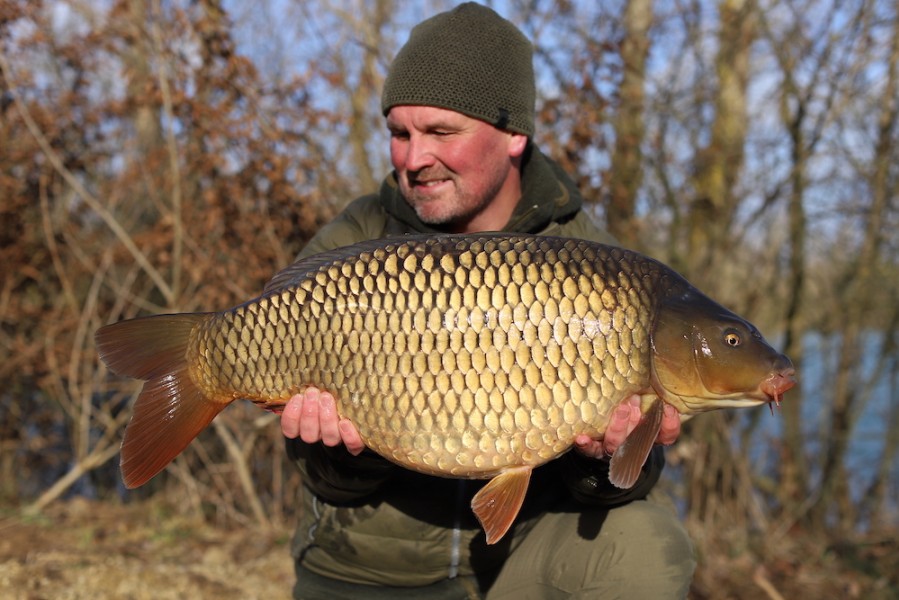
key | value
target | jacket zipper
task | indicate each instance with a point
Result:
(456, 546)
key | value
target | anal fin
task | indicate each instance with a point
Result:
(498, 502)
(629, 458)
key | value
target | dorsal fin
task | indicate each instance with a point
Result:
(301, 269)
(443, 242)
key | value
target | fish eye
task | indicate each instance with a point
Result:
(732, 338)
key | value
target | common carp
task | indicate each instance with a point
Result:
(470, 356)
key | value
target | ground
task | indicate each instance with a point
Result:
(81, 549)
(91, 550)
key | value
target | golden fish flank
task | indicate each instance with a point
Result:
(465, 356)
(493, 374)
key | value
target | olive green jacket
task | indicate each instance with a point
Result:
(366, 520)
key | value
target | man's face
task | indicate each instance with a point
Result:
(455, 171)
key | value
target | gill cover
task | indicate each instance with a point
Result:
(706, 357)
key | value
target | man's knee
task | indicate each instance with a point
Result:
(647, 549)
(640, 550)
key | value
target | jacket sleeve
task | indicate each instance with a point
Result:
(336, 475)
(333, 473)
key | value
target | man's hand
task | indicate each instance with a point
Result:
(624, 419)
(312, 416)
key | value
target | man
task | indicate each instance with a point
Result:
(459, 101)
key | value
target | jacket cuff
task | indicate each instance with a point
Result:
(588, 479)
(336, 475)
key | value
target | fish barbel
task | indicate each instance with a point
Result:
(469, 356)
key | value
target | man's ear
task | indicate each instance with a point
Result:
(517, 143)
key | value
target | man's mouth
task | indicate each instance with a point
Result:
(429, 188)
(427, 183)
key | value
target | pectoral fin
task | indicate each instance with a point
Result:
(498, 502)
(629, 458)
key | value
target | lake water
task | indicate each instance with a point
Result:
(875, 414)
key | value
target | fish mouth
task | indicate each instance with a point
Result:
(770, 391)
(776, 384)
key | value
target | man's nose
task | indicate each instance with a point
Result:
(419, 153)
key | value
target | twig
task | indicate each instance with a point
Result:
(82, 339)
(174, 163)
(49, 234)
(243, 472)
(763, 582)
(95, 459)
(79, 189)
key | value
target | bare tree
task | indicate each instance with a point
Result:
(626, 169)
(154, 157)
(810, 96)
(138, 206)
(719, 163)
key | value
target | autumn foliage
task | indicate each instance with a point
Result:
(172, 156)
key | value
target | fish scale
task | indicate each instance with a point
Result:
(479, 356)
(465, 369)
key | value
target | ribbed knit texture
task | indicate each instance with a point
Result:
(469, 60)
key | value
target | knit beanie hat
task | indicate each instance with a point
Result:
(469, 60)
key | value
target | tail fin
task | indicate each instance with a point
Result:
(171, 410)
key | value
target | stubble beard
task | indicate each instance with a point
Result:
(451, 210)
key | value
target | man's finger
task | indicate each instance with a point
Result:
(587, 446)
(290, 417)
(617, 429)
(327, 419)
(670, 429)
(350, 436)
(310, 429)
(635, 414)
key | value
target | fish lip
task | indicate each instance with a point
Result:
(776, 384)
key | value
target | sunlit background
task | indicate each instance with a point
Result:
(160, 156)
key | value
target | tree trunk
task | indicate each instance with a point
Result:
(718, 165)
(627, 158)
(717, 168)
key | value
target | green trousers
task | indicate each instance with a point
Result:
(637, 551)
